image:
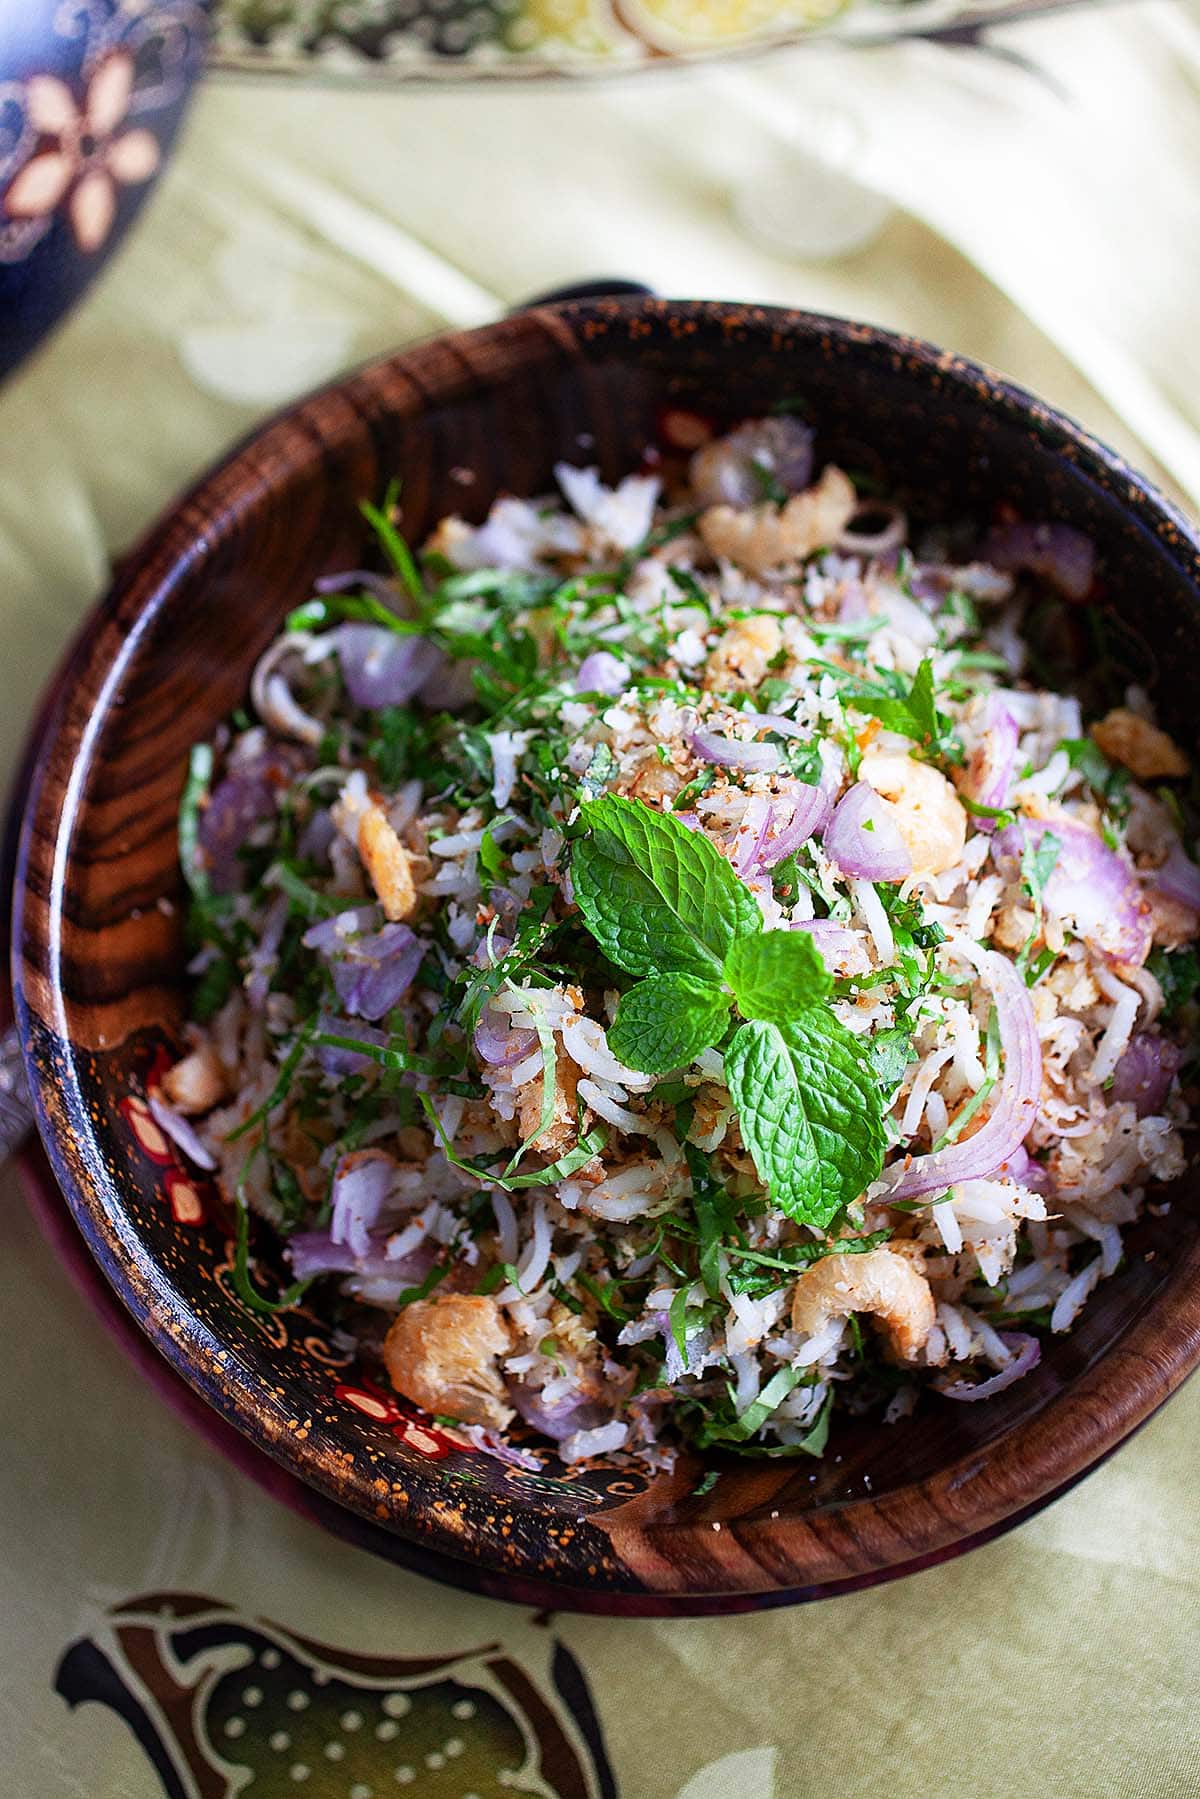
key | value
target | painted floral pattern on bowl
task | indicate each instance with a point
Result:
(92, 93)
(187, 1209)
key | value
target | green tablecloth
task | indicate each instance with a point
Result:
(295, 234)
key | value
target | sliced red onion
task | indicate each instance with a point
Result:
(383, 668)
(490, 950)
(560, 1419)
(990, 771)
(362, 580)
(338, 1062)
(1027, 1353)
(853, 606)
(731, 470)
(762, 841)
(856, 540)
(602, 672)
(496, 1041)
(1145, 1072)
(330, 934)
(316, 839)
(361, 1185)
(1021, 1168)
(1064, 557)
(265, 953)
(751, 834)
(827, 934)
(1178, 878)
(809, 811)
(811, 808)
(731, 752)
(451, 686)
(1089, 886)
(930, 581)
(493, 1444)
(841, 948)
(781, 725)
(315, 1252)
(374, 973)
(181, 1132)
(863, 838)
(244, 798)
(1018, 1090)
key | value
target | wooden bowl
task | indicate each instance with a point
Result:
(98, 961)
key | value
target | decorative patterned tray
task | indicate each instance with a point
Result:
(398, 40)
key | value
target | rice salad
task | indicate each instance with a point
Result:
(667, 970)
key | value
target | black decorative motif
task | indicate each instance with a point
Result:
(223, 1704)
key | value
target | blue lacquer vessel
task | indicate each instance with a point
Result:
(92, 94)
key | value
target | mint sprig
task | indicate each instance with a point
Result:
(663, 903)
(810, 1112)
(668, 1020)
(775, 974)
(657, 897)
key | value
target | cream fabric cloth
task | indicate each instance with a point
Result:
(300, 231)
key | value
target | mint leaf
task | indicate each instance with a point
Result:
(776, 974)
(665, 1022)
(889, 1053)
(810, 1113)
(657, 897)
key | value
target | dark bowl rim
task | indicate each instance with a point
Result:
(965, 1502)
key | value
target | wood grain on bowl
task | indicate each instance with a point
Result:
(98, 953)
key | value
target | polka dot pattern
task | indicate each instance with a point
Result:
(307, 1724)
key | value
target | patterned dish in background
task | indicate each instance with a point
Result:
(406, 38)
(92, 94)
(414, 40)
(99, 961)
